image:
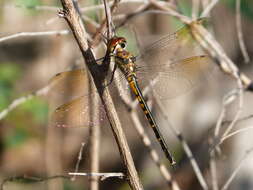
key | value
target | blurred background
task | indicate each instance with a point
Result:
(30, 146)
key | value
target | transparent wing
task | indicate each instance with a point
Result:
(76, 113)
(174, 78)
(67, 86)
(175, 46)
(70, 99)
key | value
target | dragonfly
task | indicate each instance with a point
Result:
(167, 73)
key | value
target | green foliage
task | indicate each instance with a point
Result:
(15, 138)
(9, 74)
(37, 108)
(20, 128)
(246, 7)
(185, 7)
(28, 3)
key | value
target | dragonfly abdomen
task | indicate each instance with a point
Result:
(135, 88)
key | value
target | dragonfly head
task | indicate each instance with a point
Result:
(116, 43)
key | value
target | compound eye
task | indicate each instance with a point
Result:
(123, 45)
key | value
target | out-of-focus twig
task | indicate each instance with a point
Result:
(213, 170)
(239, 109)
(78, 160)
(230, 179)
(37, 7)
(108, 19)
(186, 148)
(102, 175)
(167, 7)
(30, 179)
(235, 133)
(22, 100)
(26, 34)
(240, 33)
(208, 42)
(208, 8)
(97, 35)
(195, 9)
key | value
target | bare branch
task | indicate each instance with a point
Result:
(102, 175)
(235, 133)
(78, 160)
(22, 100)
(208, 42)
(240, 33)
(26, 34)
(195, 9)
(213, 170)
(186, 148)
(230, 179)
(239, 110)
(30, 179)
(208, 9)
(95, 139)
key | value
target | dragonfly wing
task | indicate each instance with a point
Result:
(175, 78)
(77, 113)
(178, 45)
(71, 93)
(67, 86)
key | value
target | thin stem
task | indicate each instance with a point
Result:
(240, 33)
(22, 100)
(186, 148)
(102, 176)
(80, 155)
(195, 9)
(235, 172)
(208, 9)
(26, 34)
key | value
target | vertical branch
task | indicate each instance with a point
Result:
(195, 9)
(80, 155)
(80, 35)
(213, 170)
(108, 19)
(239, 31)
(94, 142)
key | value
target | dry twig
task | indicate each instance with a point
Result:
(240, 33)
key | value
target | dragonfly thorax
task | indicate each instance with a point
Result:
(125, 61)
